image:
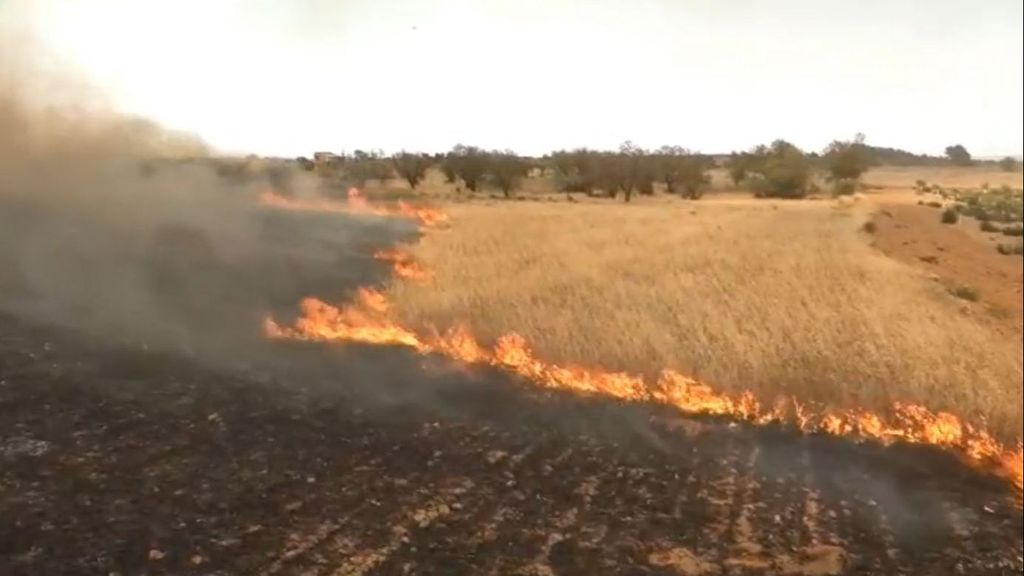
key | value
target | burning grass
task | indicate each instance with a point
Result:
(890, 411)
(366, 321)
(783, 303)
(356, 203)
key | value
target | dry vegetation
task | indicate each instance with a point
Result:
(781, 298)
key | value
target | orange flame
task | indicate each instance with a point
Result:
(366, 322)
(403, 265)
(356, 203)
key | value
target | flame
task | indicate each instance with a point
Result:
(275, 200)
(366, 321)
(403, 265)
(356, 203)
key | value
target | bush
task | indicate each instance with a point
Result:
(844, 187)
(847, 160)
(468, 163)
(933, 204)
(411, 167)
(1015, 230)
(988, 226)
(779, 171)
(1011, 249)
(965, 292)
(1009, 164)
(950, 216)
(869, 227)
(507, 171)
(959, 155)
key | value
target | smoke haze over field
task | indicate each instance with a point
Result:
(114, 225)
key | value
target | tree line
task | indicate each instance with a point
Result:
(776, 170)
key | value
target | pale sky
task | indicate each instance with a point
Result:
(289, 77)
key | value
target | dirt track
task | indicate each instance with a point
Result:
(130, 462)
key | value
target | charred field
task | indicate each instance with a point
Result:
(278, 457)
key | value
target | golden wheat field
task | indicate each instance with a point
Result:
(780, 298)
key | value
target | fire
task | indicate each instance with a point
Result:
(403, 265)
(366, 321)
(275, 200)
(356, 203)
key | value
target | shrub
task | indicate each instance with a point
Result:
(507, 171)
(988, 226)
(1015, 230)
(1009, 164)
(738, 167)
(1011, 249)
(411, 167)
(779, 171)
(470, 164)
(844, 187)
(847, 160)
(965, 292)
(869, 227)
(959, 155)
(950, 216)
(933, 204)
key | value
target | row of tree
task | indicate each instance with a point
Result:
(777, 170)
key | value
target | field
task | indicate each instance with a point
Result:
(780, 298)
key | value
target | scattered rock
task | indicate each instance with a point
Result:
(155, 555)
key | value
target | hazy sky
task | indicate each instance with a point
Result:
(289, 77)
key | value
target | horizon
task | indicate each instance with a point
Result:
(286, 80)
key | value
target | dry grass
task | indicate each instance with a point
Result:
(945, 176)
(781, 298)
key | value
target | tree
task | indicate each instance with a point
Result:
(682, 171)
(693, 175)
(779, 171)
(368, 165)
(470, 164)
(507, 171)
(666, 162)
(447, 164)
(628, 171)
(847, 160)
(959, 155)
(576, 170)
(738, 167)
(1009, 164)
(411, 167)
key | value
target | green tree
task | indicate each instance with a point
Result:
(469, 163)
(847, 160)
(779, 171)
(683, 171)
(507, 171)
(959, 155)
(411, 167)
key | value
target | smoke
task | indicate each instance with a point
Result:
(115, 226)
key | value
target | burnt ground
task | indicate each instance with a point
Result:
(123, 461)
(232, 455)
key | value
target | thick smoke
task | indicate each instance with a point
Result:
(117, 227)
